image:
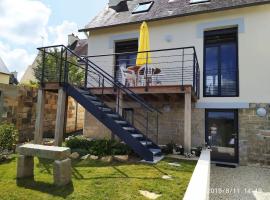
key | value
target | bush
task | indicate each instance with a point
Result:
(78, 143)
(97, 147)
(8, 136)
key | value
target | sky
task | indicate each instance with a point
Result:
(28, 24)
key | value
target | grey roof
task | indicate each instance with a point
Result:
(82, 47)
(163, 9)
(3, 67)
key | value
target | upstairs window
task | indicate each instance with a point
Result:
(143, 7)
(198, 1)
(221, 63)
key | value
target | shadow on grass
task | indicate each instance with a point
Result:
(77, 175)
(8, 160)
(60, 191)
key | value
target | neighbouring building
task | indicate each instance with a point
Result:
(209, 72)
(4, 73)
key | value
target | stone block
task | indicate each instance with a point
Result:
(42, 151)
(62, 172)
(25, 166)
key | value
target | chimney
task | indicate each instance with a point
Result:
(72, 38)
(15, 74)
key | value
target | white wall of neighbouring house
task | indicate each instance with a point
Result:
(253, 40)
(4, 78)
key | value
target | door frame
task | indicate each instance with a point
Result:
(236, 125)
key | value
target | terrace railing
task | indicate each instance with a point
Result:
(176, 66)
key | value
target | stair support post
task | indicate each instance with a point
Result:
(187, 121)
(39, 117)
(60, 117)
(119, 102)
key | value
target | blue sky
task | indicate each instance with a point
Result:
(28, 24)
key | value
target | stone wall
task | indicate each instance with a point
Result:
(18, 106)
(253, 149)
(170, 122)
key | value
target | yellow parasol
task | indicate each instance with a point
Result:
(144, 45)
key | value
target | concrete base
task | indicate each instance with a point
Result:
(62, 172)
(25, 166)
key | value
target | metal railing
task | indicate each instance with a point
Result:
(59, 64)
(175, 66)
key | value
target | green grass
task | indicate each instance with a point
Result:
(96, 180)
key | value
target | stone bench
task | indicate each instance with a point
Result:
(60, 155)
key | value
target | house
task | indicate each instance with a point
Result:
(80, 46)
(212, 84)
(4, 73)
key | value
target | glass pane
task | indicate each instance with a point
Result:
(228, 69)
(142, 7)
(211, 71)
(221, 135)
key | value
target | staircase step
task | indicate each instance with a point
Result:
(97, 103)
(137, 135)
(155, 151)
(129, 128)
(90, 97)
(146, 143)
(105, 109)
(120, 122)
(113, 115)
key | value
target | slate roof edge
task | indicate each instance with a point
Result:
(176, 16)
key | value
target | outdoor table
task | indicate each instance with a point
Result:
(155, 71)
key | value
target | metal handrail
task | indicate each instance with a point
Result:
(106, 76)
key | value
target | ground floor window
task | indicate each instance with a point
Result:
(222, 134)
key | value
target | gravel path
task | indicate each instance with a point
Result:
(241, 183)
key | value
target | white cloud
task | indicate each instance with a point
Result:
(60, 32)
(16, 59)
(23, 21)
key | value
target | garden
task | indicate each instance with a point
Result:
(94, 177)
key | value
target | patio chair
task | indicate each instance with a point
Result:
(128, 77)
(145, 74)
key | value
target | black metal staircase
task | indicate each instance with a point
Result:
(80, 90)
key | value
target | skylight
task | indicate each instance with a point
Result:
(198, 1)
(143, 7)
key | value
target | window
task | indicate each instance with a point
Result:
(198, 1)
(221, 63)
(143, 7)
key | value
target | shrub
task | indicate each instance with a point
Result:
(78, 143)
(8, 136)
(97, 147)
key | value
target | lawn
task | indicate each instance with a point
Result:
(96, 180)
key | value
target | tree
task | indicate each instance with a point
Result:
(53, 67)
